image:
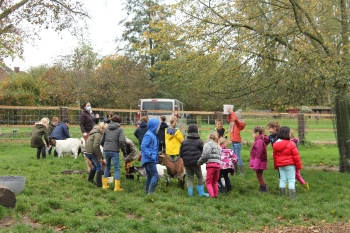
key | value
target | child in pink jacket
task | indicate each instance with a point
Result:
(258, 156)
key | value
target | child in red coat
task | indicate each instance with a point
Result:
(258, 156)
(286, 160)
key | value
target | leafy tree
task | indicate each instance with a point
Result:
(121, 82)
(289, 50)
(71, 80)
(22, 20)
(20, 89)
(140, 45)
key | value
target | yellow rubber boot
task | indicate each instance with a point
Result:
(306, 186)
(105, 183)
(117, 186)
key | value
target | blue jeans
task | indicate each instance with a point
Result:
(152, 177)
(114, 157)
(236, 148)
(96, 165)
(287, 174)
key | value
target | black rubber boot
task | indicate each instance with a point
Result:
(38, 152)
(43, 152)
(228, 184)
(282, 191)
(92, 176)
(292, 194)
(99, 179)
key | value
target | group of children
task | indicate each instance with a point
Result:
(220, 160)
(285, 155)
(155, 135)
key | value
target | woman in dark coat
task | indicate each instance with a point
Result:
(87, 120)
(36, 140)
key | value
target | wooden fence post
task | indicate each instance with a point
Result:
(301, 128)
(63, 113)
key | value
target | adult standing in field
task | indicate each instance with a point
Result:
(161, 133)
(93, 152)
(107, 120)
(87, 120)
(141, 131)
(112, 141)
(173, 139)
(39, 131)
(236, 126)
(51, 127)
(149, 158)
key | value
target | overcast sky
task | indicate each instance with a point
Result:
(103, 30)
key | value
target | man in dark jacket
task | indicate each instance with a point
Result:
(60, 132)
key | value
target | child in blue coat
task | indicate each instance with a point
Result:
(149, 159)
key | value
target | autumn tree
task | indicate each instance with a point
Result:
(290, 50)
(121, 82)
(137, 41)
(20, 89)
(22, 20)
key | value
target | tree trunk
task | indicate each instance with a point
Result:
(7, 197)
(343, 131)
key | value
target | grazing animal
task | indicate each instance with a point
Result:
(175, 168)
(70, 145)
(141, 171)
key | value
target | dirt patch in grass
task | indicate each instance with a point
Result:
(325, 168)
(8, 222)
(324, 228)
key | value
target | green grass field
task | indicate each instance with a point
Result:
(53, 202)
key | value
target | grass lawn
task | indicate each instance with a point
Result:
(53, 202)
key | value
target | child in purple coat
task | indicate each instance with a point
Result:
(258, 156)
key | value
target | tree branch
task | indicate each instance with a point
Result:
(12, 9)
(70, 9)
(317, 37)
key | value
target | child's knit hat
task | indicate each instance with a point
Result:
(192, 128)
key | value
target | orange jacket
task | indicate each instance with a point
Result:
(235, 136)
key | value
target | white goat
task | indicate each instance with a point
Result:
(204, 173)
(141, 171)
(70, 145)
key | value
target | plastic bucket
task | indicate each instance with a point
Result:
(226, 106)
(110, 179)
(14, 183)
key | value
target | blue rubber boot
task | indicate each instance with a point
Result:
(190, 191)
(200, 190)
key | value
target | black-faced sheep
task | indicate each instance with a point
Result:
(175, 168)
